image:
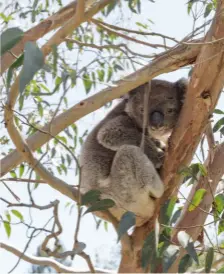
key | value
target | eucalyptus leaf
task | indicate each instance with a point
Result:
(209, 260)
(90, 197)
(185, 262)
(219, 203)
(218, 124)
(17, 214)
(187, 243)
(21, 170)
(9, 38)
(167, 210)
(127, 221)
(198, 196)
(100, 205)
(33, 61)
(7, 227)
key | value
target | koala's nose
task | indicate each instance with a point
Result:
(156, 119)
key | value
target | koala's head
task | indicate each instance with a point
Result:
(165, 102)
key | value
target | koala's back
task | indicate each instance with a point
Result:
(95, 159)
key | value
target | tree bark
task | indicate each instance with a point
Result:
(203, 92)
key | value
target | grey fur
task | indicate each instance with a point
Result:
(111, 159)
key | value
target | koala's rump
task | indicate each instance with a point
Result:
(95, 165)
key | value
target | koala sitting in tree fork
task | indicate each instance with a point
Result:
(111, 159)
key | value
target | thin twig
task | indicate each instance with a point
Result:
(13, 194)
(136, 31)
(127, 37)
(88, 260)
(110, 46)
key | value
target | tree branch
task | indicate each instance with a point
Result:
(202, 95)
(196, 218)
(37, 32)
(60, 268)
(51, 23)
(169, 61)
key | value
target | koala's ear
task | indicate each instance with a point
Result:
(181, 86)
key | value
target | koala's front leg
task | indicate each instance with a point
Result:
(134, 180)
(117, 132)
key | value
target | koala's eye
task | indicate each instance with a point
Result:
(156, 118)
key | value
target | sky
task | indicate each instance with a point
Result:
(170, 17)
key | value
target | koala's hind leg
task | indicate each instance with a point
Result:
(133, 180)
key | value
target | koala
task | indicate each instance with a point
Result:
(111, 159)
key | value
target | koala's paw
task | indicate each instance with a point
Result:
(158, 158)
(161, 145)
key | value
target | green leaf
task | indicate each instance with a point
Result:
(90, 197)
(218, 111)
(218, 125)
(5, 18)
(69, 160)
(221, 224)
(221, 270)
(148, 249)
(126, 222)
(17, 214)
(63, 139)
(109, 74)
(185, 262)
(208, 9)
(16, 64)
(117, 67)
(33, 61)
(101, 74)
(188, 244)
(222, 130)
(9, 38)
(53, 152)
(8, 216)
(101, 205)
(189, 7)
(13, 174)
(21, 101)
(7, 227)
(87, 82)
(202, 169)
(198, 196)
(209, 260)
(40, 109)
(219, 203)
(105, 226)
(169, 257)
(167, 210)
(21, 170)
(110, 7)
(63, 167)
(175, 216)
